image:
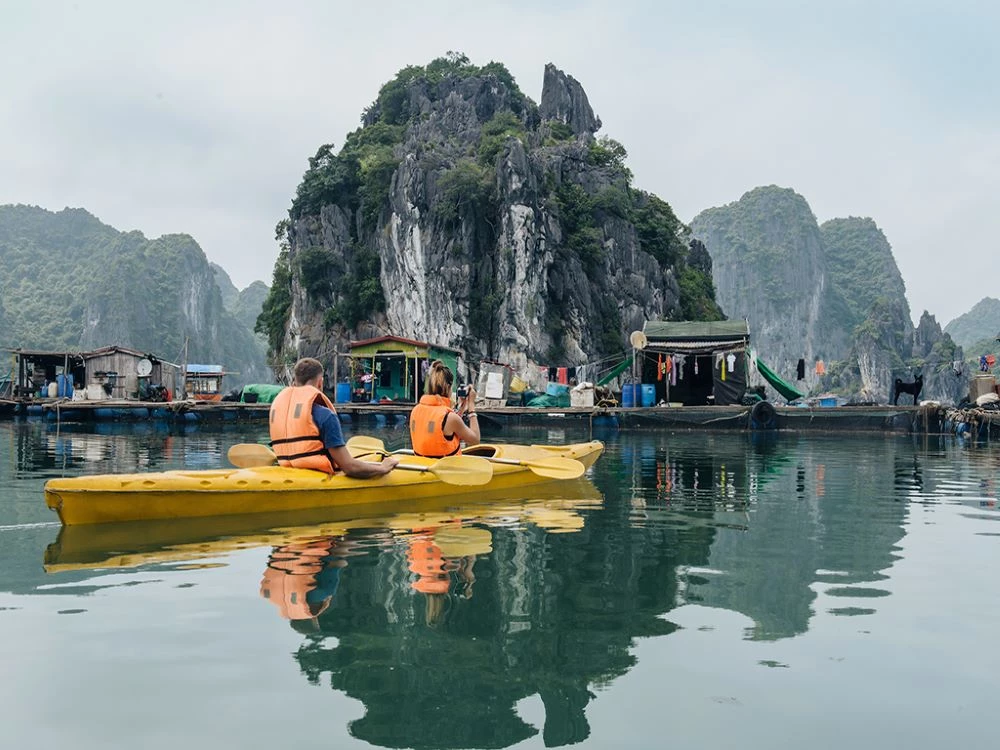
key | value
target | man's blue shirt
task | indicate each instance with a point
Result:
(328, 423)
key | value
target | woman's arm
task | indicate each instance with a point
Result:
(455, 425)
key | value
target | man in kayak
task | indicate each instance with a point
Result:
(437, 430)
(305, 429)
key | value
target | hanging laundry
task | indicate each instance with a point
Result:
(571, 373)
(731, 362)
(678, 361)
(696, 364)
(561, 375)
(673, 370)
(553, 373)
(991, 360)
(800, 370)
(820, 367)
(659, 367)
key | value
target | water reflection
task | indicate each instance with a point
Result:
(456, 623)
(43, 449)
(806, 512)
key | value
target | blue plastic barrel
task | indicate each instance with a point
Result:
(628, 395)
(64, 385)
(343, 394)
(648, 394)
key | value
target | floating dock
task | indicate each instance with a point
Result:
(923, 419)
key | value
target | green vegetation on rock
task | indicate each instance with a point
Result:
(448, 154)
(980, 324)
(71, 283)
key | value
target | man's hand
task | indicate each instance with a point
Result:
(360, 469)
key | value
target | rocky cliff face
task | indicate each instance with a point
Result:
(505, 229)
(830, 293)
(981, 324)
(78, 284)
(768, 267)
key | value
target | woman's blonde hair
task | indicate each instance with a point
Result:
(439, 379)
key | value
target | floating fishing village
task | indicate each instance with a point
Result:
(681, 375)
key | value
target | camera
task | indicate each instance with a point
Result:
(463, 391)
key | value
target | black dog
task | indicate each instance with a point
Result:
(915, 387)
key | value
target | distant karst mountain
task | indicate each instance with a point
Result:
(977, 331)
(70, 282)
(465, 214)
(830, 294)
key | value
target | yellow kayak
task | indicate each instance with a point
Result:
(554, 506)
(109, 498)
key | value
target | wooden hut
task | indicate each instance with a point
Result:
(125, 373)
(695, 362)
(391, 367)
(112, 372)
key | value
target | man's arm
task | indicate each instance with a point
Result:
(358, 469)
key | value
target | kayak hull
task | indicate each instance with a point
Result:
(111, 498)
(555, 506)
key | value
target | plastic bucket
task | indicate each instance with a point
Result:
(343, 394)
(648, 394)
(628, 395)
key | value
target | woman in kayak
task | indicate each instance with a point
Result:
(305, 428)
(437, 430)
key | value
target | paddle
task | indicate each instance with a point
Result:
(464, 470)
(556, 467)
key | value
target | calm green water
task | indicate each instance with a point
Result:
(698, 591)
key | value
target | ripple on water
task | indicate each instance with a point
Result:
(857, 591)
(851, 611)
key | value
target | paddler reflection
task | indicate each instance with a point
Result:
(301, 578)
(443, 559)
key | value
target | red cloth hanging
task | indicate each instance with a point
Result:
(562, 376)
(659, 367)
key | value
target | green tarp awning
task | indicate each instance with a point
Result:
(785, 389)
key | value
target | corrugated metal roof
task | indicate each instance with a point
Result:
(703, 330)
(401, 340)
(677, 345)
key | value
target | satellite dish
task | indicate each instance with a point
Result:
(638, 340)
(143, 367)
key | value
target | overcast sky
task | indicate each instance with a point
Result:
(199, 117)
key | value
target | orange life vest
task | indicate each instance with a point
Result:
(428, 563)
(291, 574)
(294, 434)
(427, 428)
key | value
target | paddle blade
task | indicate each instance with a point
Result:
(365, 443)
(465, 470)
(556, 467)
(248, 455)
